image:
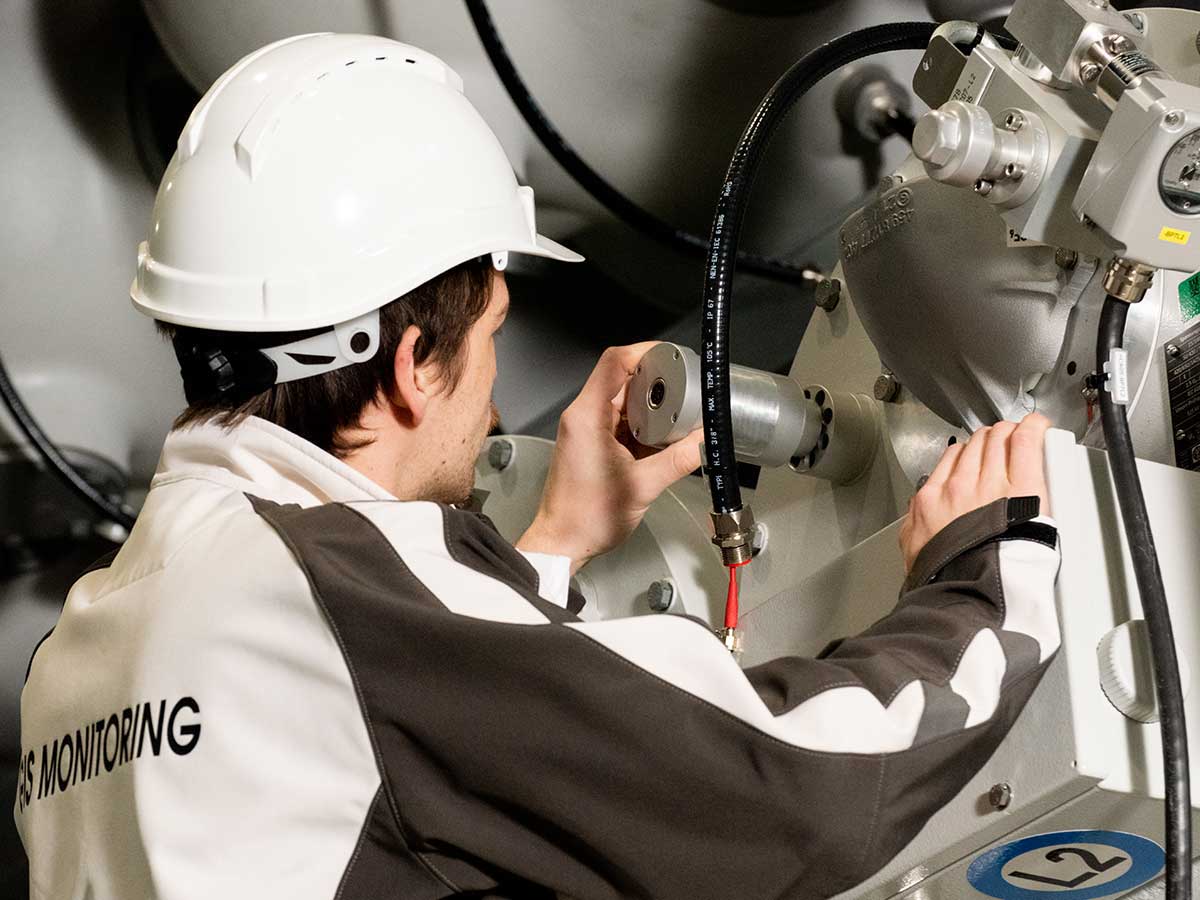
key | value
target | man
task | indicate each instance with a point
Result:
(307, 674)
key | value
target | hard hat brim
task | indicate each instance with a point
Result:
(552, 250)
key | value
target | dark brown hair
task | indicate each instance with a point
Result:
(321, 407)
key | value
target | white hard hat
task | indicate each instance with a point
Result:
(320, 178)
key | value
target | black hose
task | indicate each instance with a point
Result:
(55, 461)
(720, 465)
(1176, 779)
(594, 183)
(900, 123)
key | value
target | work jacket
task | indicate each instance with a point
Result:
(288, 684)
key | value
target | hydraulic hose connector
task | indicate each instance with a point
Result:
(1127, 280)
(732, 532)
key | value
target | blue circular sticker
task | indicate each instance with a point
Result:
(1081, 865)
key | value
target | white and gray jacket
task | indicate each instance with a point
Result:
(289, 684)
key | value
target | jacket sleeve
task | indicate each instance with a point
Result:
(633, 758)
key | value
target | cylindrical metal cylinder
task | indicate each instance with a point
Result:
(773, 421)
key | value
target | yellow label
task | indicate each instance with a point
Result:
(1174, 236)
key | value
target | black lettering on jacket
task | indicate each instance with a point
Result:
(113, 741)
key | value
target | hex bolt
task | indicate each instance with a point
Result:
(983, 187)
(1066, 258)
(1089, 72)
(887, 388)
(660, 595)
(1014, 121)
(500, 454)
(1117, 43)
(1000, 796)
(828, 294)
(1173, 350)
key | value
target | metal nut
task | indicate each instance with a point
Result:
(660, 595)
(1117, 43)
(1173, 350)
(1089, 72)
(887, 388)
(828, 294)
(1000, 796)
(500, 454)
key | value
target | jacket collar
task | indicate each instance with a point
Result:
(262, 459)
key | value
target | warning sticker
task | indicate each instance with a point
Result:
(1175, 236)
(1183, 390)
(1081, 865)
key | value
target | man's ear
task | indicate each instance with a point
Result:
(412, 384)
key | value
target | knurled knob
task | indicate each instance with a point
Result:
(1127, 671)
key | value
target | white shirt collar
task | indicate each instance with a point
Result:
(265, 460)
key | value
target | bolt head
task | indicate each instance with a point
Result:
(886, 389)
(500, 454)
(828, 294)
(936, 137)
(1014, 121)
(1000, 796)
(1065, 258)
(1173, 350)
(1117, 43)
(983, 187)
(1180, 435)
(660, 595)
(1089, 72)
(1173, 118)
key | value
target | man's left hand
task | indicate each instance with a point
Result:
(601, 481)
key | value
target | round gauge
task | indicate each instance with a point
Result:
(1179, 178)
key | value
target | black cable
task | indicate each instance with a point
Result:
(1177, 782)
(54, 459)
(594, 183)
(720, 465)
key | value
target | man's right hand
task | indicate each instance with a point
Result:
(1002, 460)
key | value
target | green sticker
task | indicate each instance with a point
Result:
(1189, 297)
